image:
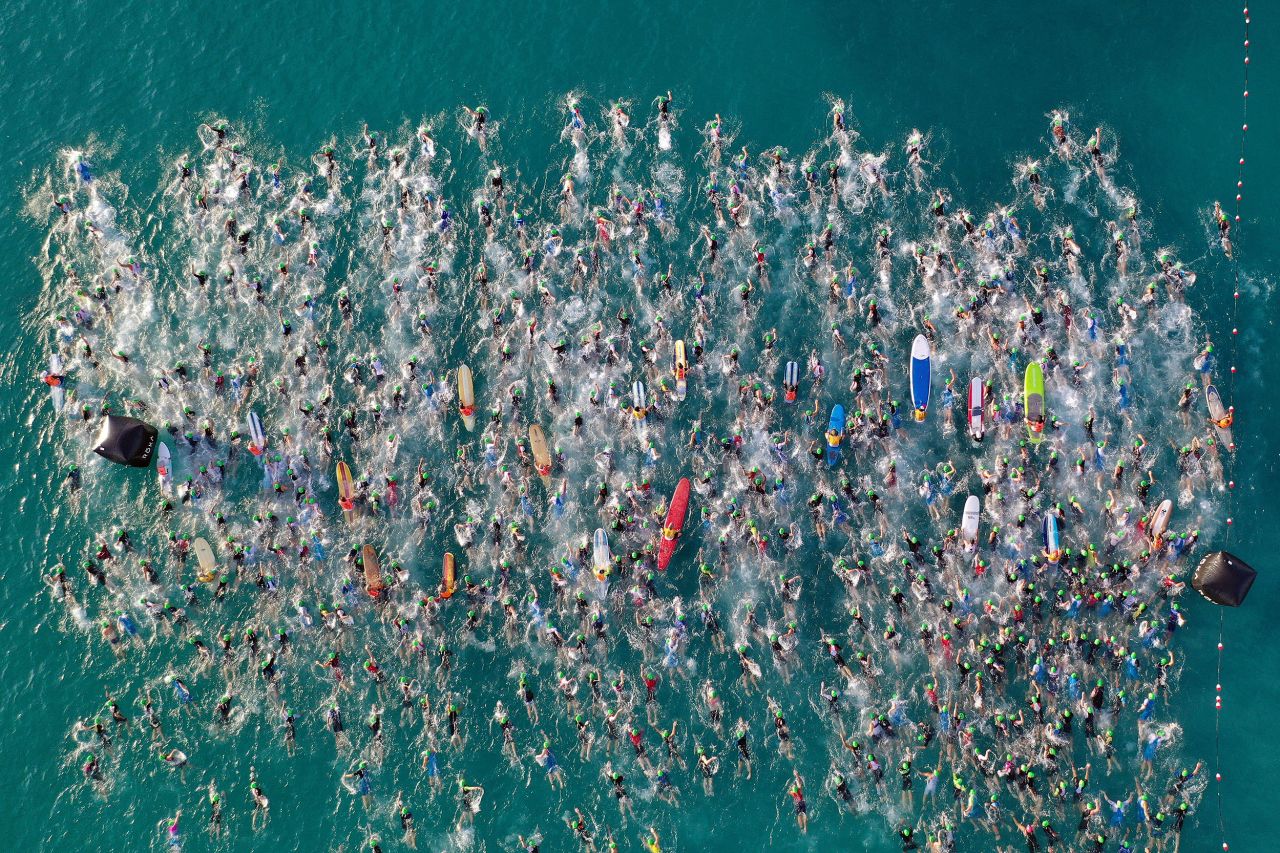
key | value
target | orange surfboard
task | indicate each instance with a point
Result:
(448, 581)
(372, 572)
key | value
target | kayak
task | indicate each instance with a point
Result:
(601, 557)
(466, 398)
(448, 577)
(674, 523)
(372, 571)
(346, 493)
(257, 438)
(1219, 415)
(791, 381)
(204, 555)
(1033, 401)
(835, 434)
(681, 370)
(920, 376)
(541, 455)
(977, 408)
(969, 523)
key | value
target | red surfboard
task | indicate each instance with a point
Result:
(674, 523)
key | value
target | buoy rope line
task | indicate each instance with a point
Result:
(1231, 459)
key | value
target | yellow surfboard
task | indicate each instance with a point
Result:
(680, 368)
(466, 398)
(346, 493)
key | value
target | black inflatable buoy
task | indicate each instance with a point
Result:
(126, 441)
(1223, 579)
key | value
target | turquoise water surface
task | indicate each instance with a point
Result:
(129, 83)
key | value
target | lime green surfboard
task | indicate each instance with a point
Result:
(1033, 401)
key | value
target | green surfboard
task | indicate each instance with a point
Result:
(1033, 401)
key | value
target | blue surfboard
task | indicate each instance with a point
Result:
(835, 434)
(1052, 541)
(920, 376)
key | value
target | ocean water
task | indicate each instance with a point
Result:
(130, 83)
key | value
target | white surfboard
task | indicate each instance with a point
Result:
(969, 523)
(1160, 522)
(56, 392)
(208, 566)
(601, 557)
(680, 368)
(257, 438)
(164, 468)
(977, 409)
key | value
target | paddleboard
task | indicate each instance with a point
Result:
(1052, 541)
(639, 402)
(601, 556)
(835, 434)
(164, 468)
(1160, 522)
(1033, 401)
(791, 381)
(674, 523)
(1217, 413)
(977, 409)
(208, 570)
(541, 455)
(681, 370)
(372, 571)
(346, 493)
(466, 398)
(920, 376)
(448, 577)
(257, 438)
(56, 392)
(969, 523)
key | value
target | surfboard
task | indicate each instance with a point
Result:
(372, 571)
(257, 438)
(466, 398)
(681, 370)
(639, 402)
(601, 556)
(57, 393)
(1216, 413)
(346, 493)
(448, 577)
(1033, 401)
(1160, 522)
(920, 376)
(969, 523)
(674, 524)
(791, 381)
(164, 468)
(1052, 541)
(835, 434)
(204, 555)
(541, 455)
(977, 409)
